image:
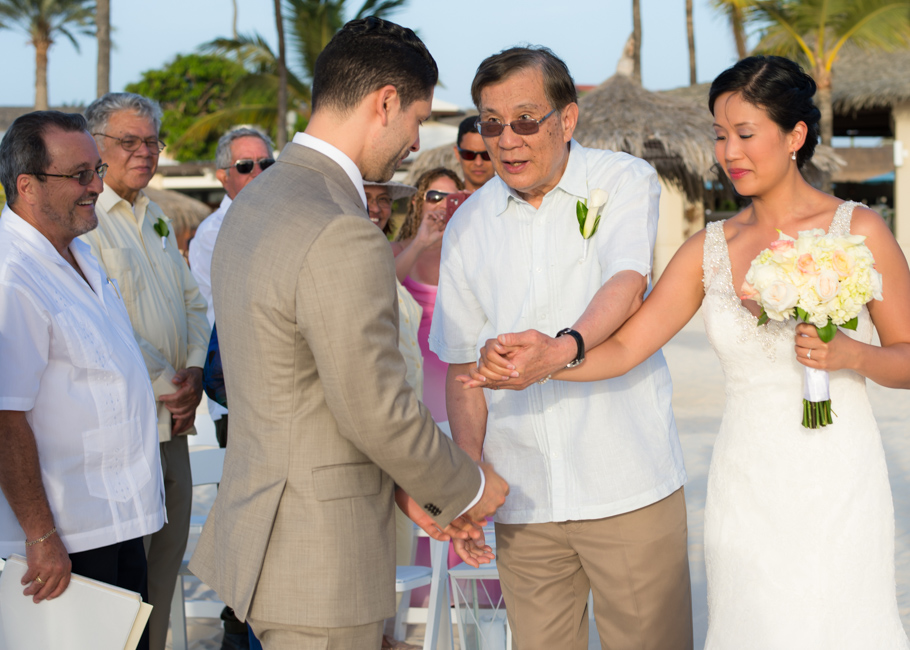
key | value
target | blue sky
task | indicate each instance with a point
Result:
(587, 34)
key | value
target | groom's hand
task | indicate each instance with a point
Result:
(517, 360)
(460, 529)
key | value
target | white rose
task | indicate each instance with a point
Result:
(779, 297)
(761, 277)
(876, 284)
(826, 285)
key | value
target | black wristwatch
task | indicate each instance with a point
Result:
(580, 342)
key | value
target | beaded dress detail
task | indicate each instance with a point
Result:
(799, 523)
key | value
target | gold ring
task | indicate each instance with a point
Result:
(39, 580)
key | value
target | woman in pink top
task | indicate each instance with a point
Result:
(417, 249)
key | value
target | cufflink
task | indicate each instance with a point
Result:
(432, 509)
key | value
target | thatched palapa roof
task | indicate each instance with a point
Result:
(441, 156)
(870, 79)
(673, 135)
(184, 211)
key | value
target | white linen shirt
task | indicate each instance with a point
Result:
(202, 245)
(570, 451)
(70, 362)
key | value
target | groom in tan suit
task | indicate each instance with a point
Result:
(300, 541)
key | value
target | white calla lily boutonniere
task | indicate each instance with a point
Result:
(589, 213)
(163, 231)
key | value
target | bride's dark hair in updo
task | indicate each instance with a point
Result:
(780, 87)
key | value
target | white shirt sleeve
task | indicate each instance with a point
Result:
(628, 228)
(25, 335)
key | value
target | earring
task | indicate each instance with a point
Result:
(792, 155)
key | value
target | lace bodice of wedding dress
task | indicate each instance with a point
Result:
(799, 523)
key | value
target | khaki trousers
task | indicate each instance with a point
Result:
(165, 548)
(636, 564)
(278, 636)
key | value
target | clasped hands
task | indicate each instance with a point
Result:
(466, 531)
(182, 403)
(516, 360)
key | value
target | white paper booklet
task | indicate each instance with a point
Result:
(89, 614)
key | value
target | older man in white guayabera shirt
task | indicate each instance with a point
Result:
(135, 243)
(79, 469)
(596, 469)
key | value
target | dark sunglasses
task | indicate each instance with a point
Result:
(468, 154)
(84, 177)
(523, 126)
(435, 196)
(245, 165)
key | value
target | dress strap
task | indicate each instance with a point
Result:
(715, 260)
(840, 224)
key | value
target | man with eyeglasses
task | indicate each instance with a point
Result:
(136, 245)
(79, 471)
(597, 466)
(472, 154)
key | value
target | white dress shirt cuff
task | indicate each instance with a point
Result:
(483, 482)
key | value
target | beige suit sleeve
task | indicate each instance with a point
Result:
(347, 312)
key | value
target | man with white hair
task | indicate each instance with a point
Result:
(242, 154)
(135, 243)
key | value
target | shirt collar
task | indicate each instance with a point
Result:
(574, 181)
(109, 198)
(25, 231)
(336, 154)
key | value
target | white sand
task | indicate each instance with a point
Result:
(698, 402)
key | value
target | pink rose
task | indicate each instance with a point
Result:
(781, 245)
(749, 292)
(842, 263)
(806, 264)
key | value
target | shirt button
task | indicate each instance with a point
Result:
(539, 269)
(550, 410)
(554, 455)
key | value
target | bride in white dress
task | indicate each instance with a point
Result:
(799, 523)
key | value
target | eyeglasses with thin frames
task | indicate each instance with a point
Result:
(132, 143)
(470, 154)
(84, 177)
(528, 126)
(245, 165)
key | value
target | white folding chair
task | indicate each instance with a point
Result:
(438, 634)
(206, 466)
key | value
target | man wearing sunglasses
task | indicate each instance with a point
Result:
(473, 155)
(598, 465)
(74, 392)
(242, 154)
(136, 244)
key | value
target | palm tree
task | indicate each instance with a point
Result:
(43, 21)
(310, 26)
(690, 33)
(815, 32)
(735, 10)
(282, 80)
(103, 25)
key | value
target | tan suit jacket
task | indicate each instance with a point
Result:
(322, 422)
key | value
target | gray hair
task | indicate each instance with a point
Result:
(99, 112)
(23, 149)
(223, 152)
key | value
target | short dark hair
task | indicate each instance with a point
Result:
(468, 125)
(23, 149)
(364, 56)
(558, 84)
(780, 87)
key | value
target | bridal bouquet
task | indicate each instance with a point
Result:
(823, 279)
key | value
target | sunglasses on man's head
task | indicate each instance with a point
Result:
(468, 154)
(245, 165)
(524, 126)
(435, 196)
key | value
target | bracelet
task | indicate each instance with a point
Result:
(42, 538)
